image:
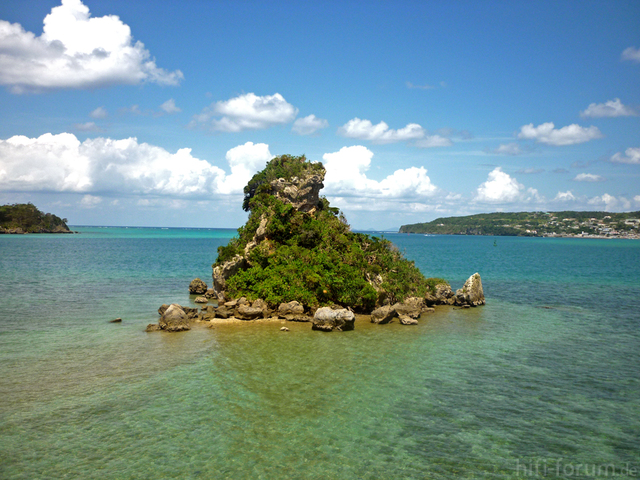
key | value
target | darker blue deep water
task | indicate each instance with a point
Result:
(542, 382)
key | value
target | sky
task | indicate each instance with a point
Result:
(137, 113)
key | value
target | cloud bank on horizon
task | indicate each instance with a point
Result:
(136, 150)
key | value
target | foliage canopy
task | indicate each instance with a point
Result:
(27, 217)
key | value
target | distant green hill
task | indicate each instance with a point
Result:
(534, 224)
(26, 218)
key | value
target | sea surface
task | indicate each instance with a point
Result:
(541, 382)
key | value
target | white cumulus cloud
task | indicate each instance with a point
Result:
(380, 133)
(244, 160)
(567, 196)
(309, 125)
(76, 51)
(632, 54)
(612, 108)
(246, 112)
(588, 177)
(170, 106)
(346, 176)
(500, 187)
(631, 155)
(610, 202)
(570, 135)
(98, 166)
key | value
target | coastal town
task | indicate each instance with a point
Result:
(536, 224)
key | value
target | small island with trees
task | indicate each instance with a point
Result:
(535, 224)
(296, 259)
(20, 218)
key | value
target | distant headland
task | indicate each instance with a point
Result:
(20, 218)
(535, 224)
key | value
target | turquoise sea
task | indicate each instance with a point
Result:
(542, 382)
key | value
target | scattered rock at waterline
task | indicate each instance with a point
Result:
(407, 320)
(174, 319)
(247, 312)
(284, 329)
(201, 300)
(116, 320)
(328, 319)
(411, 307)
(471, 292)
(152, 327)
(291, 310)
(197, 287)
(384, 314)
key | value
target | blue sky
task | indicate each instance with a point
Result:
(157, 113)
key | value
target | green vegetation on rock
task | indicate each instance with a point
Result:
(297, 247)
(26, 218)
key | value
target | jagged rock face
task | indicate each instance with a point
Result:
(444, 294)
(327, 319)
(222, 272)
(303, 193)
(471, 292)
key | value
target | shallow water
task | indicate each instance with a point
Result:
(491, 392)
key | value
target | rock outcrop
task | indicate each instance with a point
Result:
(222, 272)
(328, 319)
(197, 287)
(383, 315)
(292, 311)
(303, 193)
(471, 292)
(174, 319)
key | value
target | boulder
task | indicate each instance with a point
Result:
(116, 320)
(262, 305)
(152, 327)
(284, 329)
(412, 307)
(407, 320)
(290, 309)
(471, 292)
(197, 287)
(222, 272)
(201, 300)
(328, 319)
(174, 319)
(163, 308)
(247, 312)
(384, 314)
(224, 312)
